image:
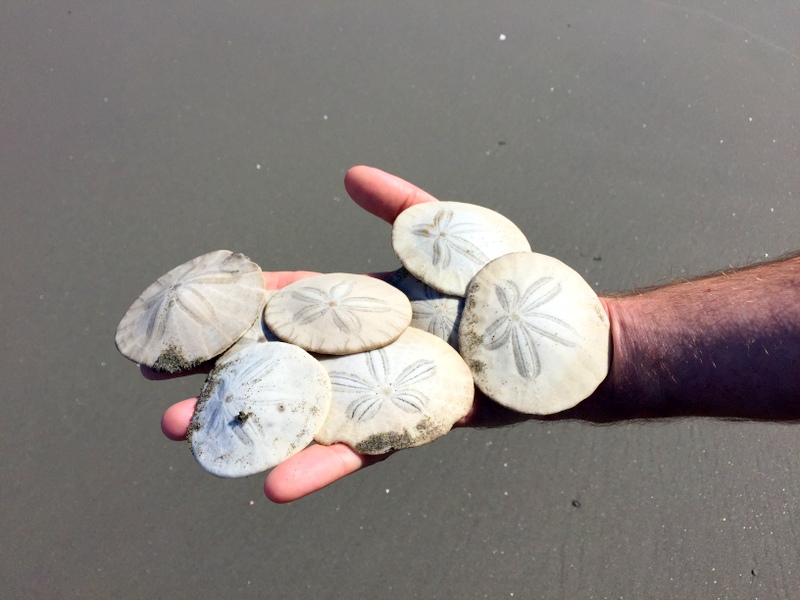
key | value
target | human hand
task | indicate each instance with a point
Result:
(317, 466)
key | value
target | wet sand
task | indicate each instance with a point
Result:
(635, 142)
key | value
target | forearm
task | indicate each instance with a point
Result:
(726, 345)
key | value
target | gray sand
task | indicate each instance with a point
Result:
(634, 141)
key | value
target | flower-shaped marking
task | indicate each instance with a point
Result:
(185, 296)
(233, 411)
(380, 386)
(451, 237)
(522, 323)
(337, 303)
(438, 314)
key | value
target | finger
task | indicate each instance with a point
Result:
(177, 418)
(275, 280)
(312, 469)
(382, 194)
(471, 418)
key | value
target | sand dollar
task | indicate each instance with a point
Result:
(257, 333)
(338, 313)
(431, 310)
(534, 334)
(258, 408)
(402, 395)
(192, 313)
(446, 243)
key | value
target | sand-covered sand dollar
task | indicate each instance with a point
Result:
(446, 243)
(432, 310)
(257, 409)
(257, 334)
(338, 313)
(402, 395)
(534, 334)
(192, 313)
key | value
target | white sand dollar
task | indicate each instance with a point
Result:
(338, 313)
(402, 395)
(259, 408)
(446, 243)
(534, 334)
(257, 334)
(192, 313)
(431, 310)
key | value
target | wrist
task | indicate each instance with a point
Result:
(634, 386)
(614, 398)
(726, 345)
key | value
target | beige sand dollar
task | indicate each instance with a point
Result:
(338, 313)
(446, 243)
(432, 311)
(257, 334)
(257, 409)
(192, 313)
(534, 334)
(405, 394)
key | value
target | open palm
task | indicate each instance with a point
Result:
(385, 196)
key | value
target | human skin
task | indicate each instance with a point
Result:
(725, 345)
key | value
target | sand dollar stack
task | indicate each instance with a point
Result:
(266, 399)
(392, 387)
(343, 358)
(532, 331)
